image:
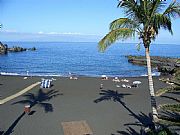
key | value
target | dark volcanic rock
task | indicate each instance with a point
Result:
(3, 48)
(165, 65)
(16, 49)
(156, 61)
(166, 69)
(32, 49)
(20, 49)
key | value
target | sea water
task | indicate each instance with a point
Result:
(83, 59)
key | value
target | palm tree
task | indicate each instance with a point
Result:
(144, 18)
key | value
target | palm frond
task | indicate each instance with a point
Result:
(124, 23)
(131, 8)
(114, 35)
(163, 21)
(138, 46)
(154, 7)
(157, 6)
(173, 10)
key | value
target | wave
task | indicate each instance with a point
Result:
(12, 74)
(33, 74)
(153, 74)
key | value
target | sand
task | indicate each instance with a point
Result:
(108, 111)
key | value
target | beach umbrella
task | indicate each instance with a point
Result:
(103, 76)
(136, 82)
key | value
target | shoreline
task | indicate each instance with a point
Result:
(155, 73)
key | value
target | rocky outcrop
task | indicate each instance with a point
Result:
(165, 65)
(3, 48)
(169, 67)
(32, 49)
(16, 49)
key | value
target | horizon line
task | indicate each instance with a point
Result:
(88, 42)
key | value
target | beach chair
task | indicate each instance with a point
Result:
(126, 86)
(42, 83)
(116, 79)
(49, 83)
(46, 83)
(73, 77)
(123, 86)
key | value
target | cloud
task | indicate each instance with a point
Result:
(62, 33)
(13, 35)
(40, 32)
(48, 33)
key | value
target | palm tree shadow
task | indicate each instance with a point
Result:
(39, 99)
(111, 95)
(1, 132)
(11, 128)
(142, 119)
(170, 116)
(172, 98)
(130, 131)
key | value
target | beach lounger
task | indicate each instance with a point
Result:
(124, 80)
(104, 77)
(42, 83)
(46, 83)
(25, 78)
(116, 79)
(123, 86)
(126, 86)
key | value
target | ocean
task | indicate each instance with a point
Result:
(79, 58)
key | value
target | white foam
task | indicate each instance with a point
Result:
(6, 73)
(153, 74)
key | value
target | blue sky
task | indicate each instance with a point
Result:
(64, 20)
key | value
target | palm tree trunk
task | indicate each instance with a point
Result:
(151, 87)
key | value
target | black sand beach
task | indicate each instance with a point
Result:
(109, 111)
